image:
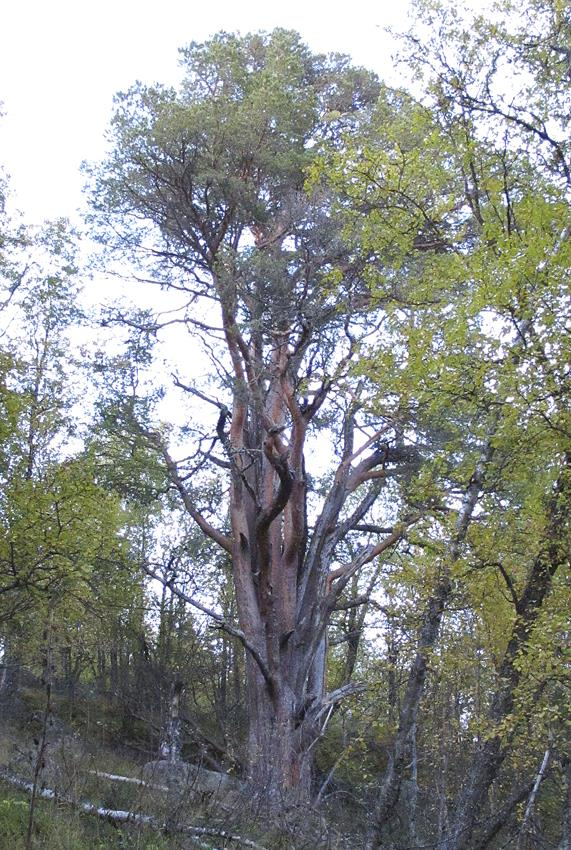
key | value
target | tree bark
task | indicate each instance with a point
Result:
(488, 759)
(171, 745)
(401, 750)
(565, 841)
(528, 814)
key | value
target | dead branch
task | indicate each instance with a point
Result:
(219, 619)
(223, 540)
(121, 816)
(113, 777)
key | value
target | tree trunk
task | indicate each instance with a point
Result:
(9, 673)
(565, 842)
(401, 751)
(114, 672)
(500, 818)
(47, 681)
(528, 814)
(101, 679)
(488, 759)
(280, 765)
(171, 746)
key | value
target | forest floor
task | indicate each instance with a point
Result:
(91, 810)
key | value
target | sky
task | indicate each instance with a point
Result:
(61, 61)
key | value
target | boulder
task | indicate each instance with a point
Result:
(187, 778)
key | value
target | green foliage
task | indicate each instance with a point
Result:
(13, 818)
(58, 829)
(459, 204)
(313, 197)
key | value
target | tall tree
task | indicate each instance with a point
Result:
(469, 191)
(207, 186)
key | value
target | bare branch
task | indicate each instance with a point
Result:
(219, 619)
(335, 697)
(371, 528)
(509, 583)
(351, 523)
(217, 536)
(344, 573)
(193, 391)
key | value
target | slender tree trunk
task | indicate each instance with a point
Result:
(444, 736)
(114, 671)
(500, 818)
(413, 830)
(8, 672)
(528, 814)
(48, 667)
(171, 745)
(488, 759)
(101, 671)
(565, 842)
(401, 752)
(392, 688)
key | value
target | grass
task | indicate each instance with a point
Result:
(59, 828)
(86, 746)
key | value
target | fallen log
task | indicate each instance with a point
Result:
(199, 781)
(113, 777)
(120, 816)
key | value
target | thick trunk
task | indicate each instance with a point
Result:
(269, 526)
(280, 764)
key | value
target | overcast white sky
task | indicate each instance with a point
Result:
(61, 61)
